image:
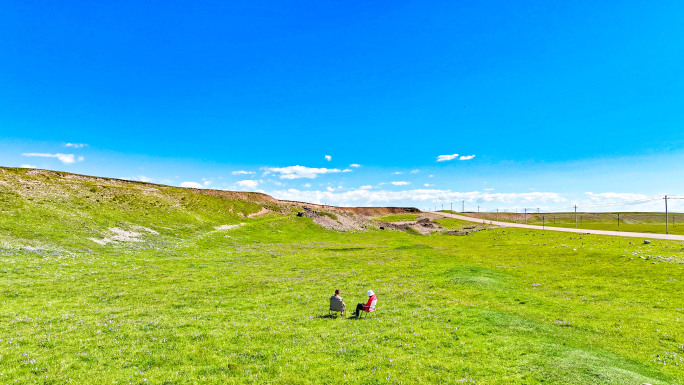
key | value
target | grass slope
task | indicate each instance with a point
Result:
(192, 304)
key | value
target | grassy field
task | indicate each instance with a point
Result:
(632, 222)
(184, 302)
(396, 218)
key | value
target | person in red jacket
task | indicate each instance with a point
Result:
(368, 306)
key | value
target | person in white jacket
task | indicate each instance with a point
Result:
(368, 306)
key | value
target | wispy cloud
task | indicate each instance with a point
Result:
(242, 172)
(76, 145)
(443, 158)
(64, 158)
(191, 185)
(296, 172)
(401, 183)
(397, 173)
(28, 166)
(612, 201)
(248, 183)
(466, 157)
(355, 165)
(366, 187)
(328, 158)
(365, 197)
(415, 171)
(428, 185)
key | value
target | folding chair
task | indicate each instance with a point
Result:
(371, 313)
(336, 307)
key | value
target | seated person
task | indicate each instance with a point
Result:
(370, 305)
(336, 303)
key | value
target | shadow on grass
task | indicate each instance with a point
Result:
(329, 316)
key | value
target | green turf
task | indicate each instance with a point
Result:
(396, 218)
(193, 304)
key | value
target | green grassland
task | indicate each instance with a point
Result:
(457, 224)
(396, 218)
(185, 302)
(632, 222)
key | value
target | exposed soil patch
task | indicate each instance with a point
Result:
(121, 235)
(423, 224)
(261, 212)
(229, 227)
(339, 221)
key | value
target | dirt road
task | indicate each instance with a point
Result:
(582, 231)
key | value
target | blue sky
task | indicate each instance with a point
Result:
(546, 104)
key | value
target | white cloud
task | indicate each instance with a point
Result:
(617, 196)
(431, 176)
(330, 188)
(296, 172)
(489, 201)
(143, 178)
(355, 165)
(248, 183)
(415, 171)
(397, 173)
(401, 183)
(242, 172)
(610, 200)
(64, 158)
(466, 157)
(28, 166)
(328, 158)
(428, 185)
(191, 185)
(364, 197)
(76, 145)
(443, 158)
(488, 189)
(307, 185)
(206, 183)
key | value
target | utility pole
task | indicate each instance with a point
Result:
(525, 216)
(452, 207)
(478, 208)
(442, 206)
(463, 206)
(497, 214)
(575, 216)
(618, 220)
(667, 231)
